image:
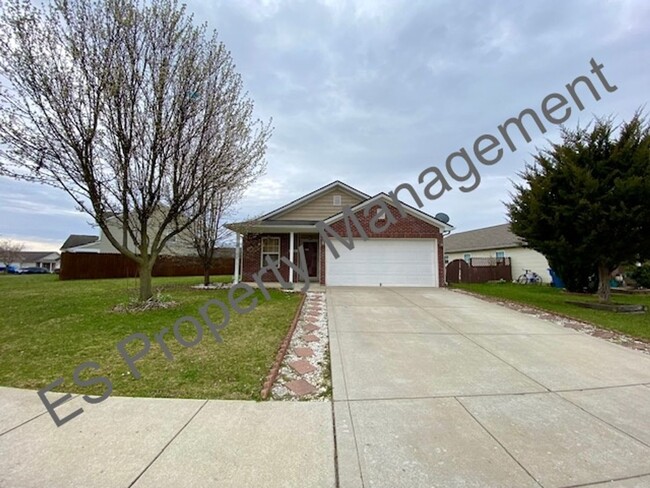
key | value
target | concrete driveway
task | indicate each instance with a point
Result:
(437, 389)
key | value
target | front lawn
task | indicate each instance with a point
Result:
(49, 327)
(554, 300)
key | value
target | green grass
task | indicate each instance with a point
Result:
(554, 300)
(50, 326)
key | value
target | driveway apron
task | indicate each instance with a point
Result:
(437, 388)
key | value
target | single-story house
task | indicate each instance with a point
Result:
(42, 259)
(496, 242)
(403, 248)
(80, 243)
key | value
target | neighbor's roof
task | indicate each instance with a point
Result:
(75, 240)
(495, 237)
(34, 256)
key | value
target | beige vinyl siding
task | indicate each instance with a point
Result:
(321, 207)
(180, 245)
(521, 257)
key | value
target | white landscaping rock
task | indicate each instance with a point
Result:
(314, 310)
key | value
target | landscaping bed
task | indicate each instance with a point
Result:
(51, 326)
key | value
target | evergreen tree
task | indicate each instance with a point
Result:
(585, 202)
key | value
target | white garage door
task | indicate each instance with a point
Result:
(387, 262)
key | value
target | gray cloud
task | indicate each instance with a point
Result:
(372, 92)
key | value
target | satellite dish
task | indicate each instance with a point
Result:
(442, 217)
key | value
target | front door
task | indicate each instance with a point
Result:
(311, 256)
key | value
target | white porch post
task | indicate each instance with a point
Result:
(237, 250)
(291, 256)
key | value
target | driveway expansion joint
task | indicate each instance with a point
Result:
(607, 481)
(173, 438)
(485, 349)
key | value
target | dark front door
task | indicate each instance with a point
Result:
(311, 256)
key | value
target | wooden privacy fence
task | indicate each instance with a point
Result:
(92, 266)
(479, 270)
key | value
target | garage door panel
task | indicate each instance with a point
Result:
(387, 262)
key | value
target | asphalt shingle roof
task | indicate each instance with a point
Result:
(34, 256)
(495, 237)
(75, 240)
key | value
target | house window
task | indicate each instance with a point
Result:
(446, 258)
(467, 257)
(381, 215)
(271, 248)
(501, 255)
(337, 200)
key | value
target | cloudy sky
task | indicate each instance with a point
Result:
(372, 92)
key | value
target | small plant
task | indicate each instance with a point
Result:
(641, 275)
(158, 301)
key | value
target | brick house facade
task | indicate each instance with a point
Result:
(296, 225)
(405, 227)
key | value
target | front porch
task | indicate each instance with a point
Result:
(253, 248)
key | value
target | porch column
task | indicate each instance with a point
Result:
(237, 247)
(291, 256)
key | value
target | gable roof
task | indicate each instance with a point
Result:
(419, 214)
(75, 240)
(494, 237)
(310, 196)
(34, 256)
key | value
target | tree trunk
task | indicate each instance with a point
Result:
(604, 290)
(146, 291)
(206, 275)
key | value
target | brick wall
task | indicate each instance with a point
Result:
(252, 252)
(405, 227)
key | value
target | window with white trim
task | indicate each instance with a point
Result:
(467, 257)
(381, 215)
(446, 258)
(501, 254)
(336, 200)
(270, 248)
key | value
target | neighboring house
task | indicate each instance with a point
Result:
(42, 259)
(224, 253)
(178, 245)
(80, 243)
(409, 252)
(496, 242)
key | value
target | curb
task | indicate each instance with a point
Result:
(282, 351)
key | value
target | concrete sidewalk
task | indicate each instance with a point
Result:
(436, 388)
(149, 442)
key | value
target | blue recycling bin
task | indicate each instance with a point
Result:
(556, 281)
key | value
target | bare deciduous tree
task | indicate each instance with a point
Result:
(207, 232)
(128, 107)
(10, 252)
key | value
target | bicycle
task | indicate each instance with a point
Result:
(529, 278)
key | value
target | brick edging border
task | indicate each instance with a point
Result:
(282, 351)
